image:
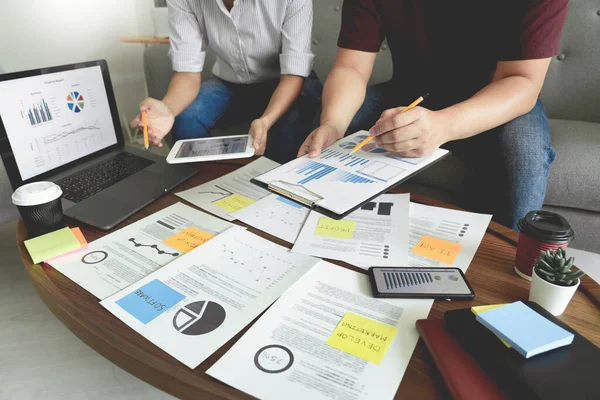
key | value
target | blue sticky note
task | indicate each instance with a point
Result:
(150, 301)
(524, 329)
(289, 202)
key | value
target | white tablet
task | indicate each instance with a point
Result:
(211, 149)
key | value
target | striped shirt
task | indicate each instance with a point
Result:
(257, 40)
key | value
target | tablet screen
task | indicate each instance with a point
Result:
(213, 147)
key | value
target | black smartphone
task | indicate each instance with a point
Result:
(420, 283)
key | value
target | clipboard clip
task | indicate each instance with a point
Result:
(278, 187)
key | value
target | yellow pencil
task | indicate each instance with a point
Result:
(145, 121)
(369, 138)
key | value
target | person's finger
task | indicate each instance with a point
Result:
(396, 121)
(401, 148)
(317, 144)
(305, 147)
(398, 135)
(146, 104)
(136, 121)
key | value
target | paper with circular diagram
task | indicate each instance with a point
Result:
(288, 353)
(195, 304)
(123, 257)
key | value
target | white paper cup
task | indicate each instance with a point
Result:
(40, 207)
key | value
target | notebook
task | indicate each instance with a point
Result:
(569, 372)
(524, 329)
(465, 379)
(337, 182)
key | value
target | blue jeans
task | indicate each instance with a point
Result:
(507, 167)
(223, 104)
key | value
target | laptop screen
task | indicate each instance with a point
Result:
(54, 119)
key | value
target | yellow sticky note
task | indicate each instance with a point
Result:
(52, 244)
(362, 337)
(188, 239)
(233, 203)
(437, 249)
(477, 309)
(340, 229)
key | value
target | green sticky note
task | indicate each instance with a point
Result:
(339, 229)
(51, 245)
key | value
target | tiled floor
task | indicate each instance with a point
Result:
(41, 359)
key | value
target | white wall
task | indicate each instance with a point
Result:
(42, 33)
(39, 33)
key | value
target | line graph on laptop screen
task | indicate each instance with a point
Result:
(53, 119)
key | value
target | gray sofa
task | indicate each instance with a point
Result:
(571, 96)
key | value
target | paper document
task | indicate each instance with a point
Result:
(338, 181)
(230, 192)
(275, 215)
(440, 237)
(194, 305)
(121, 258)
(374, 235)
(285, 354)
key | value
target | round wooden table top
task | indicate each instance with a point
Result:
(490, 274)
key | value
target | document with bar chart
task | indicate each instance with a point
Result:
(337, 182)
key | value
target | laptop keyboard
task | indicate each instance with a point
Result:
(81, 185)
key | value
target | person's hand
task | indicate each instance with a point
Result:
(414, 133)
(323, 136)
(160, 120)
(259, 130)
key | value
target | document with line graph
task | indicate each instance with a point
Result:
(337, 182)
(231, 192)
(121, 258)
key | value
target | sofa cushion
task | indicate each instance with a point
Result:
(574, 179)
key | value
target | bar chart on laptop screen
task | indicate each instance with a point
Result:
(56, 118)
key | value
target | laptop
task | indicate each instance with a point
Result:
(61, 124)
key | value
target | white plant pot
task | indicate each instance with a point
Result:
(553, 298)
(160, 19)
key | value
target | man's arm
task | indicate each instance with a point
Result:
(343, 94)
(513, 92)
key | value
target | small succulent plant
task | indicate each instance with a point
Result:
(554, 267)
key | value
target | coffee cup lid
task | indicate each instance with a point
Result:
(36, 193)
(546, 226)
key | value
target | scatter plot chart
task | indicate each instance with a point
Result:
(258, 268)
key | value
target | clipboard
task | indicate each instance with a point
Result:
(310, 199)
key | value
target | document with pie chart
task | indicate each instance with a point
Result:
(196, 303)
(338, 181)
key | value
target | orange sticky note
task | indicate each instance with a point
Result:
(79, 236)
(188, 239)
(437, 249)
(82, 242)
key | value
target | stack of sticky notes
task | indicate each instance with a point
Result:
(524, 329)
(55, 244)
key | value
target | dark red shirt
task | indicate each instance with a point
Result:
(450, 48)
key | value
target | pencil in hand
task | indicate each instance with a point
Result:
(145, 122)
(369, 138)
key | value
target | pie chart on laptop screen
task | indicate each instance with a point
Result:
(75, 102)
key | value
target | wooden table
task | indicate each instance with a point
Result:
(491, 275)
